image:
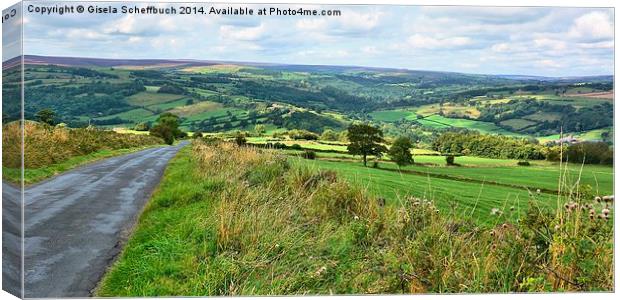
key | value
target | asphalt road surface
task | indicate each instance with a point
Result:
(75, 222)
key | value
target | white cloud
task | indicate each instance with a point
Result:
(311, 24)
(501, 47)
(426, 42)
(599, 45)
(356, 22)
(593, 26)
(243, 33)
(548, 63)
(371, 50)
(546, 43)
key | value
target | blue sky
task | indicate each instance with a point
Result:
(491, 40)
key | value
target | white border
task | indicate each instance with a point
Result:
(569, 3)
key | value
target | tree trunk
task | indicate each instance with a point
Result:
(364, 160)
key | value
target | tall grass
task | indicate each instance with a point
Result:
(45, 145)
(246, 222)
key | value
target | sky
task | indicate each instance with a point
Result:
(545, 41)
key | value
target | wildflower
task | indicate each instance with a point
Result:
(538, 191)
(592, 211)
(496, 211)
(592, 217)
(557, 227)
(504, 225)
(608, 199)
(512, 208)
(437, 211)
(605, 212)
(492, 233)
(320, 271)
(356, 217)
(597, 199)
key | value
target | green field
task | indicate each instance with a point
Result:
(151, 98)
(437, 121)
(518, 124)
(390, 115)
(484, 183)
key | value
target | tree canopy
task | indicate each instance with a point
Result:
(365, 140)
(400, 152)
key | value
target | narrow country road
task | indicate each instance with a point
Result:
(74, 222)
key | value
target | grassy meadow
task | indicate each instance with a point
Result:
(49, 151)
(229, 220)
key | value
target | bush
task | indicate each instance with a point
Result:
(308, 154)
(296, 147)
(163, 131)
(240, 139)
(303, 135)
(590, 153)
(197, 135)
(450, 160)
(523, 163)
(143, 126)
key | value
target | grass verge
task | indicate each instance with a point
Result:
(230, 220)
(35, 175)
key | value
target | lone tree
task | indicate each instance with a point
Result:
(46, 116)
(167, 128)
(400, 152)
(365, 140)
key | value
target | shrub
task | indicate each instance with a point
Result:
(197, 134)
(296, 147)
(163, 131)
(589, 153)
(308, 154)
(240, 139)
(450, 160)
(524, 163)
(143, 126)
(303, 135)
